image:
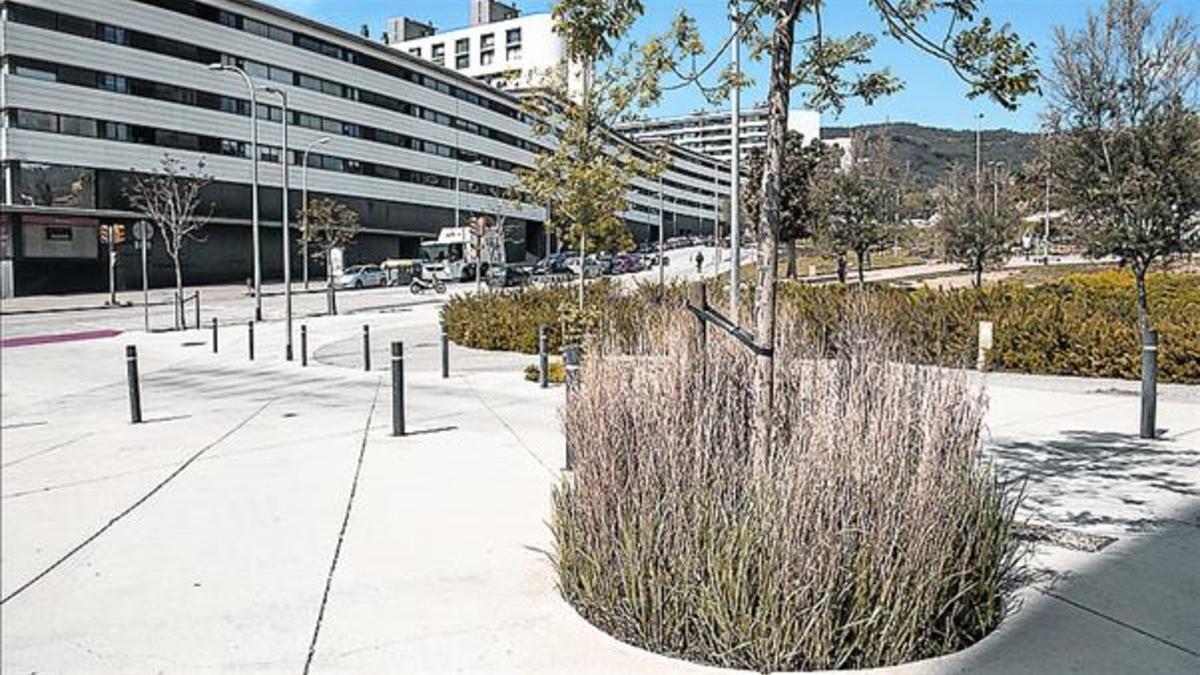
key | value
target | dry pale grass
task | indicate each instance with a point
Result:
(878, 535)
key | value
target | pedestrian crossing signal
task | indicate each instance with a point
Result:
(115, 232)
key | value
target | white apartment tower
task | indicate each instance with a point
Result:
(499, 47)
(710, 133)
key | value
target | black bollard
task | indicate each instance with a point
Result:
(197, 297)
(250, 342)
(303, 345)
(366, 347)
(1149, 382)
(397, 388)
(214, 337)
(571, 361)
(135, 394)
(445, 353)
(543, 359)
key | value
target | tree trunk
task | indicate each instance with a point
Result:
(782, 40)
(841, 267)
(978, 276)
(791, 258)
(862, 279)
(179, 311)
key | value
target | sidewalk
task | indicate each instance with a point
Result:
(264, 519)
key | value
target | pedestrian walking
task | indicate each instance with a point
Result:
(699, 261)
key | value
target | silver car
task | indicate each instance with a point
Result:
(362, 276)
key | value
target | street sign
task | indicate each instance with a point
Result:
(143, 230)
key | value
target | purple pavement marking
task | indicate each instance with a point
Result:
(28, 340)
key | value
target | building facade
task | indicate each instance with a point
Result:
(507, 53)
(711, 133)
(92, 91)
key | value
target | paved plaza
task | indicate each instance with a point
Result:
(263, 518)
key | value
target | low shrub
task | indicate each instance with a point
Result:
(874, 536)
(556, 372)
(1082, 324)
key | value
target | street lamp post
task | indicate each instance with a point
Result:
(253, 181)
(978, 154)
(287, 234)
(662, 249)
(304, 198)
(735, 228)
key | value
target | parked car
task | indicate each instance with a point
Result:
(624, 263)
(590, 269)
(503, 276)
(553, 264)
(678, 242)
(362, 276)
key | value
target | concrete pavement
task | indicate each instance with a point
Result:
(264, 520)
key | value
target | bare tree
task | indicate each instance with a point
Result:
(331, 225)
(169, 197)
(1125, 134)
(975, 232)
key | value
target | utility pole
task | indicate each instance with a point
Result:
(978, 154)
(735, 176)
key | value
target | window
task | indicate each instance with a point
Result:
(486, 58)
(37, 121)
(513, 53)
(282, 75)
(52, 185)
(115, 35)
(268, 154)
(438, 54)
(233, 148)
(513, 36)
(116, 83)
(115, 131)
(487, 41)
(47, 72)
(462, 46)
(415, 51)
(32, 16)
(462, 61)
(78, 126)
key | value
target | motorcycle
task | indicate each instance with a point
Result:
(420, 285)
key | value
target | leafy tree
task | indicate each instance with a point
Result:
(975, 231)
(331, 225)
(994, 62)
(1125, 134)
(169, 197)
(860, 205)
(587, 175)
(806, 168)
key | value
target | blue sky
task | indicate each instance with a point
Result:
(932, 95)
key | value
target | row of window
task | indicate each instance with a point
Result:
(179, 140)
(54, 72)
(487, 50)
(189, 52)
(317, 45)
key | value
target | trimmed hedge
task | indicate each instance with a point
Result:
(1083, 324)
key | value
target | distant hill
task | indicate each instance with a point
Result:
(929, 151)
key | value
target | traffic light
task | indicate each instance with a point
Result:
(118, 234)
(103, 232)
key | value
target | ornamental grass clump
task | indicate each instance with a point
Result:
(876, 535)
